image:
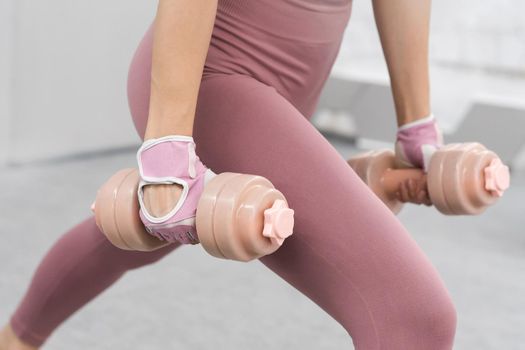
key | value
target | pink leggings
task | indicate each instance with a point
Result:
(349, 253)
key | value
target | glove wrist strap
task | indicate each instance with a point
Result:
(424, 120)
(166, 159)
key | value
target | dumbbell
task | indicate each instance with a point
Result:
(239, 216)
(462, 178)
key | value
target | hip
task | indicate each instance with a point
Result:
(283, 45)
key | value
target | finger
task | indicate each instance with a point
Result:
(160, 199)
(428, 201)
(403, 190)
(421, 197)
(412, 189)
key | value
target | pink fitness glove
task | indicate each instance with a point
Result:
(167, 160)
(417, 141)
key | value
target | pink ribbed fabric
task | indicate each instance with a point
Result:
(266, 66)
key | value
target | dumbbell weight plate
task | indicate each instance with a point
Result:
(230, 216)
(205, 210)
(436, 174)
(117, 213)
(370, 167)
(456, 179)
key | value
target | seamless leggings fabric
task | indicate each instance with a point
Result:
(349, 253)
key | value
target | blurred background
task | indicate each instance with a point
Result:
(65, 128)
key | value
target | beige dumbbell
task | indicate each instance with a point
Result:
(462, 178)
(239, 216)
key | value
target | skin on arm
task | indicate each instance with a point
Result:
(182, 35)
(403, 27)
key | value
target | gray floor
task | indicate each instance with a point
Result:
(193, 301)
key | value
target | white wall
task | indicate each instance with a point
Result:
(484, 35)
(63, 64)
(477, 56)
(6, 37)
(69, 71)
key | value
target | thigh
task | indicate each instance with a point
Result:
(348, 253)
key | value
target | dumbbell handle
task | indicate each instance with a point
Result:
(495, 179)
(392, 179)
(462, 179)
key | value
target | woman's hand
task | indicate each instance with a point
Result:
(161, 198)
(416, 142)
(403, 27)
(414, 192)
(172, 180)
(182, 36)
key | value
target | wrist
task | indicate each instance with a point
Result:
(411, 93)
(153, 152)
(407, 116)
(419, 121)
(158, 127)
(156, 133)
(166, 118)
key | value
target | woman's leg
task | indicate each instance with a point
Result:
(83, 263)
(348, 253)
(79, 266)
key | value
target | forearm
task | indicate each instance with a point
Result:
(403, 27)
(181, 40)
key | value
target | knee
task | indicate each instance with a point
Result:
(430, 325)
(435, 322)
(418, 322)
